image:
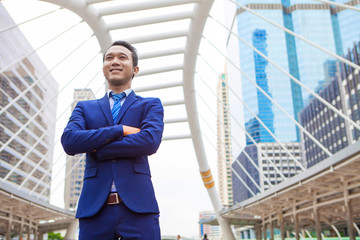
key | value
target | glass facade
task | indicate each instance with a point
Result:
(316, 26)
(332, 29)
(26, 127)
(266, 114)
(328, 127)
(348, 26)
(270, 41)
(272, 160)
(240, 191)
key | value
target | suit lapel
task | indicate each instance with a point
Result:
(128, 102)
(105, 107)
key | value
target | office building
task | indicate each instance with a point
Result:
(269, 165)
(212, 231)
(346, 31)
(330, 129)
(330, 27)
(246, 232)
(28, 113)
(289, 53)
(75, 165)
(224, 156)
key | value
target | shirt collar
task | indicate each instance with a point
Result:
(127, 92)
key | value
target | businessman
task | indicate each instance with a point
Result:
(117, 132)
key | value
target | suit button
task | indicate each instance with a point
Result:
(113, 160)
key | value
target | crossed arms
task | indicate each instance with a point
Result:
(113, 142)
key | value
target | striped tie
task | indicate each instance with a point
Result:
(117, 103)
(115, 112)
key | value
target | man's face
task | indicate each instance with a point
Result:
(118, 66)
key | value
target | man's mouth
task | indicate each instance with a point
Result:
(115, 70)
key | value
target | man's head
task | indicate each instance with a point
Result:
(120, 65)
(130, 47)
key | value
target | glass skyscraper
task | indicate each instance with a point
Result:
(333, 132)
(330, 27)
(26, 121)
(348, 21)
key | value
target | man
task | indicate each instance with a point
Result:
(117, 132)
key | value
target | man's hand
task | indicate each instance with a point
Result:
(127, 131)
(130, 130)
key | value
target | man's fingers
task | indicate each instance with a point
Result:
(130, 130)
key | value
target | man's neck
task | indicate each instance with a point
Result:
(119, 89)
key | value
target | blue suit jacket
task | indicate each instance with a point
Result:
(112, 156)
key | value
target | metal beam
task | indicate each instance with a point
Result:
(176, 137)
(357, 228)
(140, 6)
(336, 231)
(91, 16)
(150, 20)
(97, 1)
(157, 36)
(173, 103)
(176, 120)
(160, 70)
(200, 16)
(162, 53)
(158, 86)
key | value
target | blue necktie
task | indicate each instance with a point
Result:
(117, 104)
(115, 112)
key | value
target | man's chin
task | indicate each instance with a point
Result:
(117, 82)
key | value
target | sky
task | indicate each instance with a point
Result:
(175, 172)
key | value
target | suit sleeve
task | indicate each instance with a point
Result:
(146, 142)
(77, 139)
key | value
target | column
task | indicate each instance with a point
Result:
(349, 218)
(71, 230)
(8, 229)
(258, 232)
(21, 229)
(348, 212)
(281, 225)
(264, 229)
(34, 231)
(40, 235)
(296, 225)
(317, 223)
(28, 232)
(271, 230)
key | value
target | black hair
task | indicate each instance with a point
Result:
(127, 45)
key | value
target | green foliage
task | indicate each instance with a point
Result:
(54, 236)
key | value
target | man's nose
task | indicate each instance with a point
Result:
(115, 61)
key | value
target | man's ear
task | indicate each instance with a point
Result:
(135, 70)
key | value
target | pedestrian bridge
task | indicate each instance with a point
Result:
(193, 73)
(317, 199)
(25, 215)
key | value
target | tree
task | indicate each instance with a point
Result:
(54, 236)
